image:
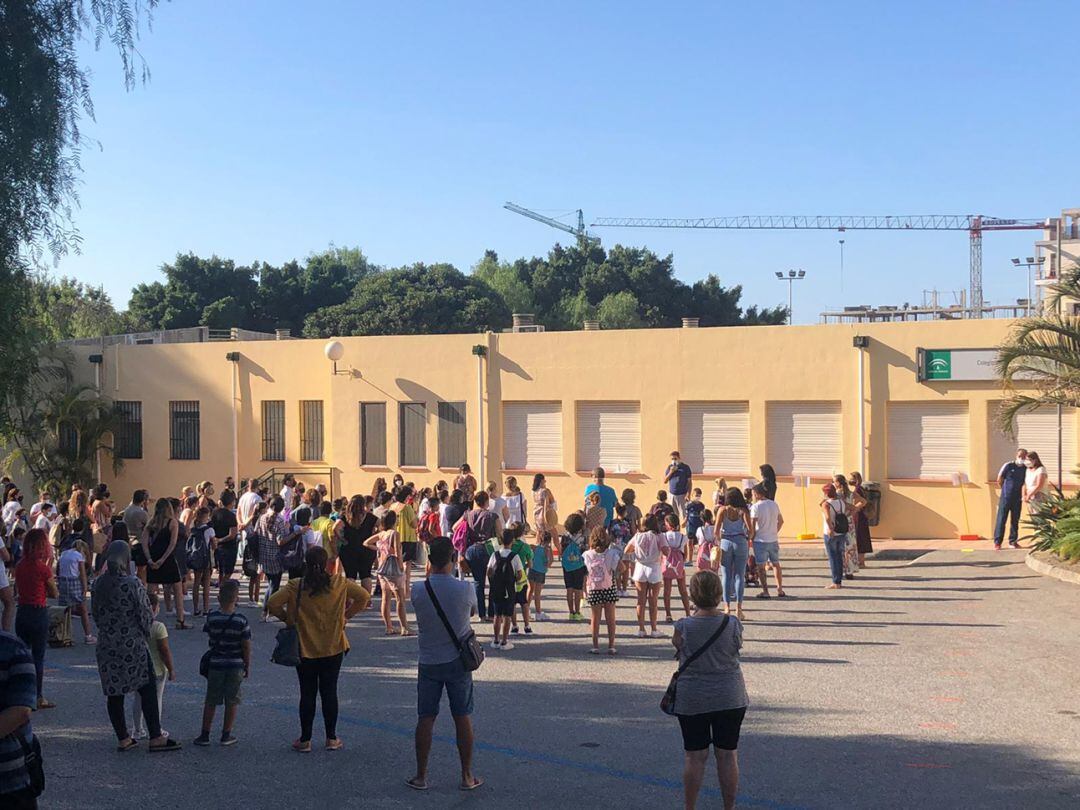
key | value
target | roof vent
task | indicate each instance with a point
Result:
(689, 323)
(592, 326)
(282, 334)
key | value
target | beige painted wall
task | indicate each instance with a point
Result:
(658, 368)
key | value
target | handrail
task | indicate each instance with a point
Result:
(274, 476)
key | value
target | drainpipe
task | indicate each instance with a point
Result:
(234, 369)
(861, 342)
(97, 360)
(481, 352)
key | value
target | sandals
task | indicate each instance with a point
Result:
(182, 625)
(131, 743)
(416, 784)
(763, 595)
(42, 703)
(169, 745)
(782, 594)
(476, 782)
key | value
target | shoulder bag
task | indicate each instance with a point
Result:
(35, 767)
(287, 642)
(468, 646)
(667, 702)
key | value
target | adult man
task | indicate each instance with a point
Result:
(608, 499)
(35, 510)
(288, 490)
(245, 507)
(225, 526)
(765, 513)
(679, 478)
(440, 665)
(18, 697)
(136, 516)
(1011, 480)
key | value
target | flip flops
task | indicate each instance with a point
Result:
(476, 782)
(416, 785)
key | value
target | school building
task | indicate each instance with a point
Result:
(909, 404)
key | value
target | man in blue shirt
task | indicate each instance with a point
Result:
(608, 499)
(18, 697)
(679, 478)
(1011, 480)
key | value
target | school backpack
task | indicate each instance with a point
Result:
(428, 527)
(481, 523)
(599, 575)
(250, 561)
(503, 579)
(198, 550)
(840, 520)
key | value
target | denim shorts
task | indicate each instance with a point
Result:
(766, 552)
(430, 680)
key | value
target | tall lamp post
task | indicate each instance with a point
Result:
(1032, 261)
(791, 276)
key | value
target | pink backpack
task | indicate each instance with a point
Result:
(461, 537)
(599, 575)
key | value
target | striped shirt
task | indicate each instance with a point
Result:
(18, 687)
(228, 632)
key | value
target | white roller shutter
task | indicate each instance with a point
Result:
(532, 436)
(1037, 430)
(805, 438)
(927, 439)
(714, 437)
(609, 436)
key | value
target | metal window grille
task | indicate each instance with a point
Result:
(452, 447)
(311, 430)
(411, 428)
(68, 440)
(273, 430)
(373, 433)
(127, 442)
(184, 430)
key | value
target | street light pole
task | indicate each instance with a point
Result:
(841, 266)
(1031, 262)
(790, 277)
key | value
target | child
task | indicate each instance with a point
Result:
(674, 565)
(595, 514)
(230, 662)
(73, 586)
(521, 597)
(542, 559)
(718, 494)
(633, 513)
(201, 543)
(601, 562)
(504, 569)
(661, 509)
(572, 566)
(429, 526)
(161, 656)
(620, 534)
(693, 509)
(646, 549)
(707, 545)
(390, 571)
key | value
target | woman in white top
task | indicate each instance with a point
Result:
(832, 508)
(1036, 480)
(514, 501)
(647, 549)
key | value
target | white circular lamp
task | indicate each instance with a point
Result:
(334, 351)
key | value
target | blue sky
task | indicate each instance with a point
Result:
(271, 129)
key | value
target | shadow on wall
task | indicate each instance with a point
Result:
(414, 392)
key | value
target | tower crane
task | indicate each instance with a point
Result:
(974, 224)
(578, 231)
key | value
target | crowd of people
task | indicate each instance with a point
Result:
(487, 552)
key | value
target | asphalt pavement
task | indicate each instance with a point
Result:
(945, 682)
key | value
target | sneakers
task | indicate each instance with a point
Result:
(540, 616)
(656, 634)
(227, 738)
(514, 630)
(595, 651)
(203, 739)
(528, 631)
(507, 645)
(577, 617)
(91, 640)
(495, 646)
(1014, 544)
(642, 634)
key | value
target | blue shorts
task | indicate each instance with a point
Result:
(430, 680)
(766, 552)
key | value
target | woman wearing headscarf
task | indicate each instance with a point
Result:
(123, 616)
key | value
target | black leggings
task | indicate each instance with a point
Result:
(319, 676)
(32, 626)
(147, 698)
(274, 583)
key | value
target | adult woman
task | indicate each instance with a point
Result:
(514, 499)
(101, 512)
(275, 533)
(863, 543)
(736, 531)
(34, 582)
(319, 604)
(378, 489)
(205, 491)
(545, 517)
(711, 699)
(768, 480)
(161, 538)
(79, 507)
(854, 504)
(450, 513)
(466, 482)
(406, 530)
(646, 549)
(397, 482)
(391, 576)
(1036, 481)
(352, 530)
(835, 511)
(123, 616)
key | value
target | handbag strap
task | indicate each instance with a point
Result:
(442, 615)
(299, 593)
(705, 646)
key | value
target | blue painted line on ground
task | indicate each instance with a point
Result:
(503, 750)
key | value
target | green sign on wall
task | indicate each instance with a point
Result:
(938, 364)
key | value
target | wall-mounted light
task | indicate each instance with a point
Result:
(233, 357)
(334, 351)
(97, 359)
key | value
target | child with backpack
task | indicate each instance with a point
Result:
(693, 509)
(708, 550)
(542, 558)
(573, 568)
(504, 570)
(201, 543)
(428, 526)
(601, 563)
(521, 598)
(674, 567)
(661, 509)
(620, 534)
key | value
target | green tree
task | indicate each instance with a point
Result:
(619, 311)
(67, 309)
(511, 281)
(418, 299)
(288, 294)
(197, 292)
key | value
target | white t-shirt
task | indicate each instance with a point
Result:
(706, 534)
(69, 563)
(766, 517)
(245, 507)
(837, 506)
(444, 521)
(287, 496)
(675, 541)
(43, 522)
(505, 552)
(647, 547)
(514, 505)
(312, 538)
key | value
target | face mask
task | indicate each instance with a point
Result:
(1028, 463)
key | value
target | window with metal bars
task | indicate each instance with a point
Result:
(373, 434)
(127, 441)
(311, 430)
(184, 430)
(452, 449)
(273, 430)
(68, 440)
(412, 423)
